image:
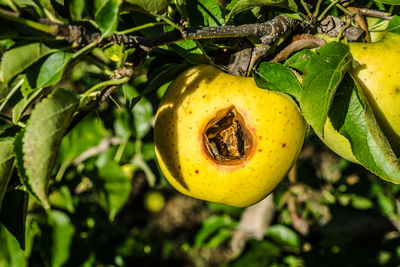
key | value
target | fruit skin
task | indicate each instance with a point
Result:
(379, 77)
(337, 142)
(273, 119)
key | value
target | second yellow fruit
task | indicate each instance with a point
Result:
(378, 75)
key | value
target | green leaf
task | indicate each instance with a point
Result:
(322, 76)
(389, 2)
(368, 143)
(276, 77)
(386, 205)
(6, 164)
(219, 238)
(142, 117)
(112, 187)
(114, 52)
(257, 253)
(155, 7)
(88, 133)
(76, 8)
(7, 92)
(13, 214)
(361, 203)
(52, 69)
(23, 104)
(107, 17)
(43, 134)
(62, 199)
(394, 25)
(18, 59)
(62, 233)
(222, 208)
(11, 254)
(238, 6)
(299, 60)
(284, 235)
(211, 225)
(188, 50)
(204, 13)
(164, 76)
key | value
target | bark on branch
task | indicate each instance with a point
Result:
(268, 32)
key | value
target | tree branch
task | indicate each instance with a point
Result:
(268, 32)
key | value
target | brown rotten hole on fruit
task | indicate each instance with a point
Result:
(227, 141)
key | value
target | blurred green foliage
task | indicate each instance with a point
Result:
(331, 213)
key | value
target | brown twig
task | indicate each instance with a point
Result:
(253, 223)
(96, 150)
(298, 222)
(361, 22)
(306, 41)
(369, 12)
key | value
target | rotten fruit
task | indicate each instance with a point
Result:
(218, 137)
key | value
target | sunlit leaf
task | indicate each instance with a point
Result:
(44, 131)
(276, 77)
(18, 59)
(299, 60)
(394, 24)
(52, 69)
(107, 17)
(323, 73)
(389, 2)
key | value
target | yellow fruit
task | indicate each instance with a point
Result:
(379, 77)
(337, 142)
(220, 138)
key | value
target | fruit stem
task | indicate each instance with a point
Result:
(316, 11)
(306, 8)
(322, 16)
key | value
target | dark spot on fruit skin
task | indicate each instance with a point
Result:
(260, 150)
(397, 90)
(179, 166)
(260, 137)
(190, 112)
(196, 171)
(284, 145)
(204, 96)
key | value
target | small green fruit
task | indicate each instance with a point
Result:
(154, 201)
